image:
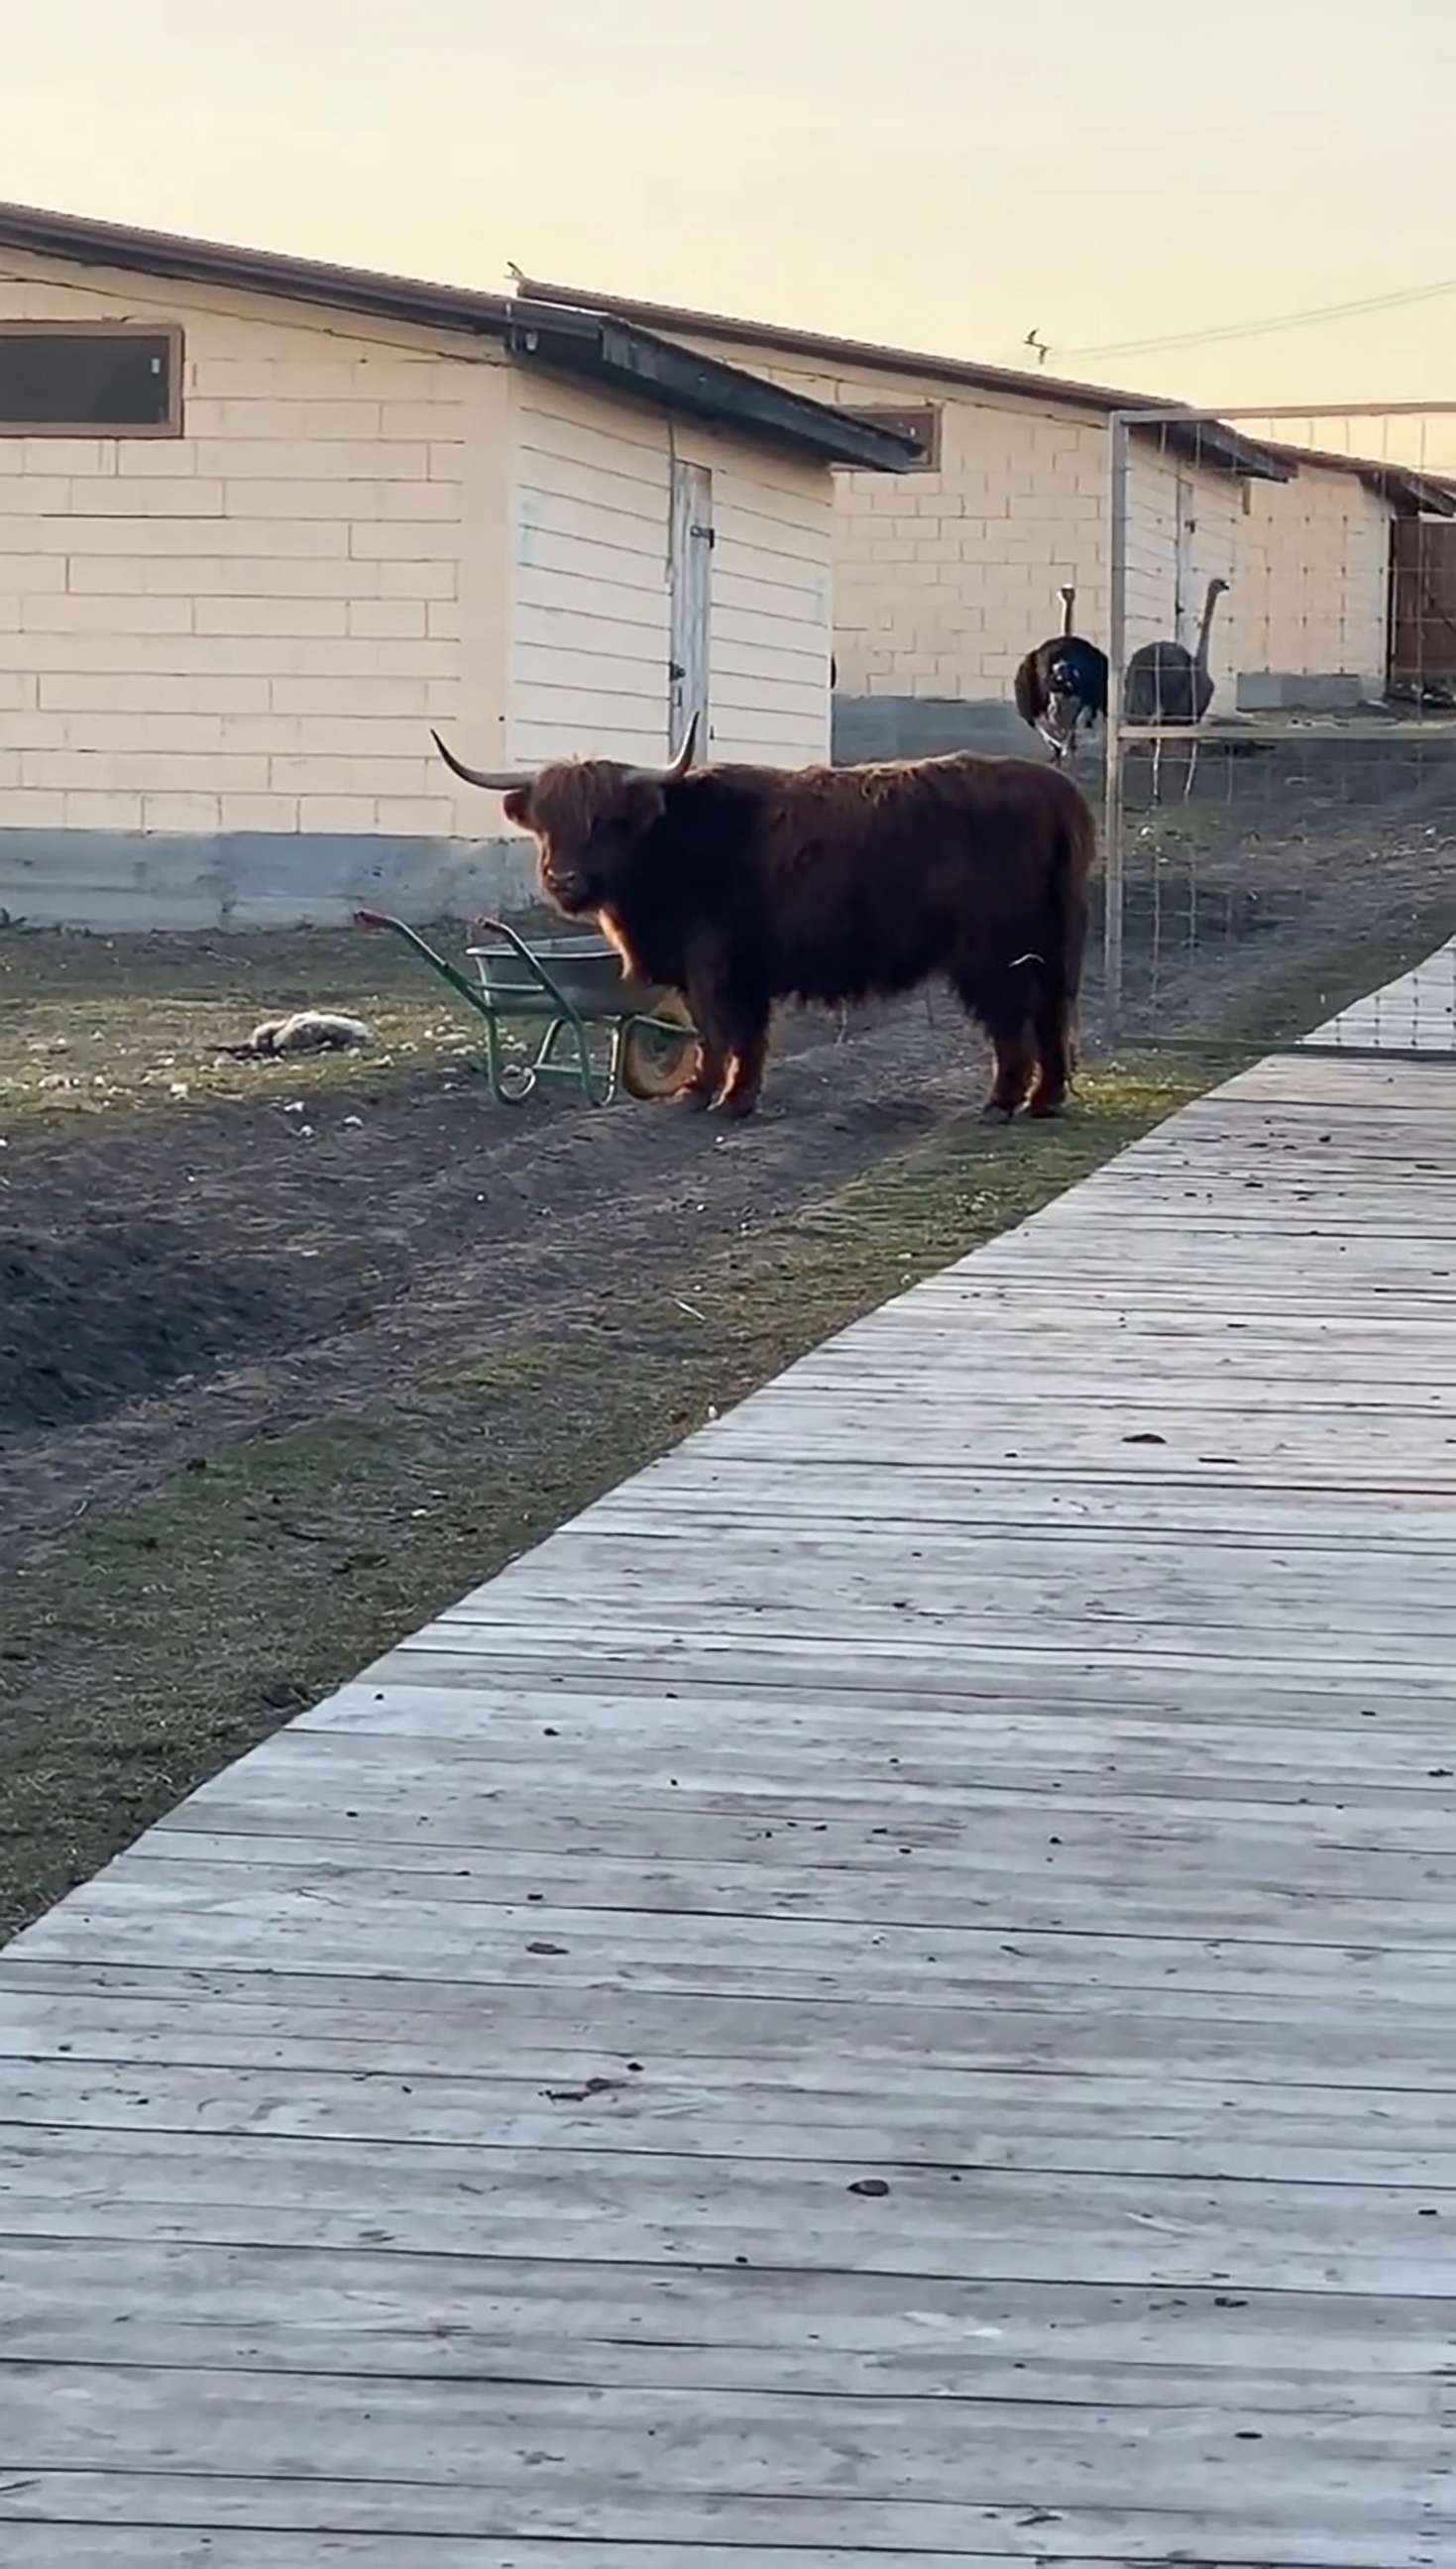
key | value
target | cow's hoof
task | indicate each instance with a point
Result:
(1046, 1109)
(993, 1112)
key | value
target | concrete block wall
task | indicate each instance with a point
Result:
(867, 728)
(1314, 596)
(250, 627)
(118, 879)
(945, 577)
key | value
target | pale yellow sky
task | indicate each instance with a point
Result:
(946, 174)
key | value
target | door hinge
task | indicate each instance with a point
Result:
(705, 534)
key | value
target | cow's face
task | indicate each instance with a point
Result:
(588, 818)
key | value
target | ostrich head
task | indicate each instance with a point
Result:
(1218, 587)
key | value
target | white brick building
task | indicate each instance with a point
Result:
(262, 524)
(947, 575)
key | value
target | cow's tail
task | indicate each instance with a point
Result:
(1073, 859)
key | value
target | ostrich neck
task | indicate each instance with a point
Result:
(1200, 655)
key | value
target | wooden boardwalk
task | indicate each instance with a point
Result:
(887, 1997)
(1416, 1014)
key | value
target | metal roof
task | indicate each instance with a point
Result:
(1417, 494)
(1208, 441)
(603, 348)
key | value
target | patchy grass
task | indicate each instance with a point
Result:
(155, 1642)
(92, 1026)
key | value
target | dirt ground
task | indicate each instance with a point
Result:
(1291, 849)
(291, 1355)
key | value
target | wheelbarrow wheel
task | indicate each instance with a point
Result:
(655, 1063)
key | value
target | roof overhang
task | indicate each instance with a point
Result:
(78, 237)
(643, 367)
(616, 355)
(1209, 443)
(1410, 493)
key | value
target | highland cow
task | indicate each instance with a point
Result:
(742, 885)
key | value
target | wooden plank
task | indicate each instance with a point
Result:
(1288, 1923)
(664, 2462)
(1105, 2124)
(645, 2530)
(1233, 2034)
(800, 1494)
(431, 1937)
(204, 2545)
(424, 2316)
(985, 1745)
(1023, 2225)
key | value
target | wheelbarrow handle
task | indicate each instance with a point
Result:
(465, 989)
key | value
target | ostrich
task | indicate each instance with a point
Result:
(1167, 685)
(1062, 684)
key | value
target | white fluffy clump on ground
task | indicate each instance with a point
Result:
(307, 1030)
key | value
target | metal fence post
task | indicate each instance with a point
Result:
(1113, 888)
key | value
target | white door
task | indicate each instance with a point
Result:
(690, 572)
(1185, 607)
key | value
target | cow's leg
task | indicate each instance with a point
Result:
(733, 1031)
(740, 1090)
(1015, 1068)
(703, 989)
(1007, 1020)
(709, 1071)
(1051, 1029)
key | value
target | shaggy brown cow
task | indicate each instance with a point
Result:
(740, 885)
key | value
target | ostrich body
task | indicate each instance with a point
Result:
(1166, 684)
(1061, 686)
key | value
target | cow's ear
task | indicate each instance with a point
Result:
(642, 803)
(517, 805)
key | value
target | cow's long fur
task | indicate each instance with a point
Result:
(740, 885)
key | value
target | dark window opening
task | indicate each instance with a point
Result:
(923, 425)
(64, 381)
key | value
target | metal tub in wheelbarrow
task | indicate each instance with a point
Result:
(597, 1027)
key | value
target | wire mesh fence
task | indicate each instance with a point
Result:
(1281, 739)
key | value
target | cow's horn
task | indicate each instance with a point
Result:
(495, 779)
(678, 766)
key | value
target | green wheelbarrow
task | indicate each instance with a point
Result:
(592, 1025)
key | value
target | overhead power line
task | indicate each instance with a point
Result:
(1260, 329)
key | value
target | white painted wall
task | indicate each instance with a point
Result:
(590, 616)
(773, 590)
(588, 624)
(1161, 487)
